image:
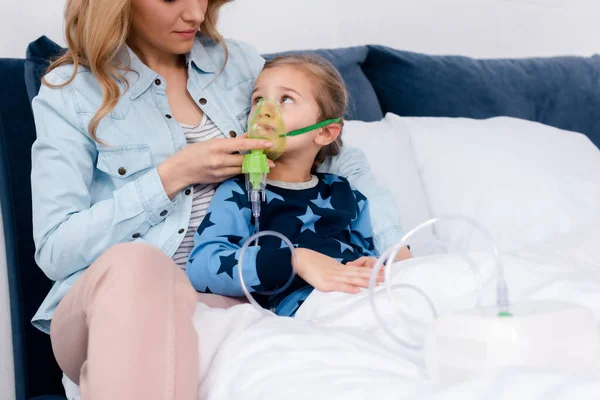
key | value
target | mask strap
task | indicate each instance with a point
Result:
(312, 127)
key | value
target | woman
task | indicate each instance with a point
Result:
(136, 125)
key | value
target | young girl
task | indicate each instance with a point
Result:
(326, 220)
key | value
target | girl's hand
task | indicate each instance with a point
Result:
(327, 275)
(364, 261)
(368, 262)
(212, 161)
(403, 254)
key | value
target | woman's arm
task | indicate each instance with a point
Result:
(352, 164)
(361, 235)
(70, 232)
(361, 232)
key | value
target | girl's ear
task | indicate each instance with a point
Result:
(328, 134)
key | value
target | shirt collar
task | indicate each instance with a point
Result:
(141, 77)
(199, 56)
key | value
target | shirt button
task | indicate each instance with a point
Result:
(233, 134)
(168, 116)
(188, 192)
(203, 101)
(136, 235)
(181, 231)
(163, 213)
(157, 82)
(122, 171)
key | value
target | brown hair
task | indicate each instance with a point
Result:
(95, 32)
(329, 91)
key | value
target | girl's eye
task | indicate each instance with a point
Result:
(256, 100)
(287, 100)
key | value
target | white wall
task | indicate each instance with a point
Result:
(485, 28)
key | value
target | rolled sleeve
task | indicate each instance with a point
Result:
(153, 197)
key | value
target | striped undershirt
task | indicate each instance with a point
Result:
(202, 193)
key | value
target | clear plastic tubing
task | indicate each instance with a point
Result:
(390, 254)
(386, 258)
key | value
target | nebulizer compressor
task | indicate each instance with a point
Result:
(543, 334)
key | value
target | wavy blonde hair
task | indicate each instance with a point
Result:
(95, 32)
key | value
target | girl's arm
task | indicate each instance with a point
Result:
(213, 263)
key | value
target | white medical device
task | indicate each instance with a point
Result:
(545, 334)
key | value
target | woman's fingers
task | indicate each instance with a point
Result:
(242, 144)
(230, 160)
(236, 160)
(228, 172)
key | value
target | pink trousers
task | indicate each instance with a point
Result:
(125, 329)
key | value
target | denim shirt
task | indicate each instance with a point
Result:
(89, 196)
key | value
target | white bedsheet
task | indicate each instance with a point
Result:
(245, 355)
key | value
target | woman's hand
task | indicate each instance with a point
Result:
(327, 275)
(212, 161)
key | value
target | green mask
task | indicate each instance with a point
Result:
(267, 123)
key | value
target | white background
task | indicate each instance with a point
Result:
(485, 28)
(482, 28)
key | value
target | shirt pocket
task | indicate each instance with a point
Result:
(124, 161)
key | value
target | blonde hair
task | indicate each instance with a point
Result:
(95, 32)
(329, 90)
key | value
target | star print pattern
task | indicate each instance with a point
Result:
(344, 246)
(308, 220)
(206, 223)
(273, 196)
(331, 179)
(240, 199)
(330, 218)
(322, 203)
(228, 263)
(233, 239)
(241, 185)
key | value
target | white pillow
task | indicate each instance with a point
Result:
(523, 180)
(389, 153)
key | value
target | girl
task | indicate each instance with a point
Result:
(321, 214)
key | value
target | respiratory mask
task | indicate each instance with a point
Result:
(267, 123)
